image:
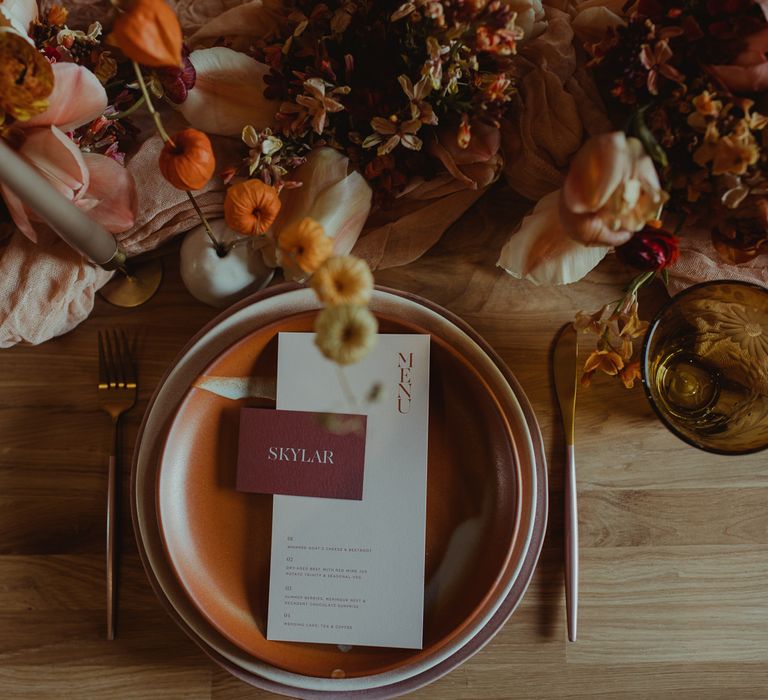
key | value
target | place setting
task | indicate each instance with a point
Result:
(338, 487)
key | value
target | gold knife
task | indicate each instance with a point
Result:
(565, 370)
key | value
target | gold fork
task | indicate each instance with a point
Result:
(117, 394)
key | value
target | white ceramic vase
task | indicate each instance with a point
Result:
(219, 280)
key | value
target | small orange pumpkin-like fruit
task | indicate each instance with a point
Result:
(251, 207)
(149, 33)
(189, 162)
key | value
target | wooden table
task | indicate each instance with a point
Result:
(674, 541)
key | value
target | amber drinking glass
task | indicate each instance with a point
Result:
(705, 366)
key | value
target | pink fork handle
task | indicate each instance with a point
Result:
(111, 523)
(571, 546)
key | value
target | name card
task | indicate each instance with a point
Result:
(300, 453)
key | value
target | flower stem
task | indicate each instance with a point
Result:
(346, 388)
(221, 249)
(129, 111)
(150, 107)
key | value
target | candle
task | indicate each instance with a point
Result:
(73, 225)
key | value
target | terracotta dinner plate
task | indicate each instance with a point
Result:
(218, 539)
(486, 507)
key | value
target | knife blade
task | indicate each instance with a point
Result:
(565, 371)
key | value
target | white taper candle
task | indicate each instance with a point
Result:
(73, 225)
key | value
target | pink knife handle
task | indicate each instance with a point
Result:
(571, 546)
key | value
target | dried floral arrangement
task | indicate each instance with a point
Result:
(684, 81)
(348, 111)
(67, 97)
(382, 83)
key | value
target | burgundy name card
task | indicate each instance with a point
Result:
(294, 453)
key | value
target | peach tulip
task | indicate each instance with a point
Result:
(611, 190)
(94, 182)
(228, 93)
(541, 251)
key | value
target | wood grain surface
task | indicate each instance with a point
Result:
(674, 542)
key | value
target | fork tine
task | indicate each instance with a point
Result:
(119, 360)
(130, 368)
(111, 369)
(103, 375)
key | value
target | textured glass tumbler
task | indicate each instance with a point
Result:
(705, 366)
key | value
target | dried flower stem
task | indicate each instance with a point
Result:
(346, 388)
(150, 107)
(221, 248)
(129, 111)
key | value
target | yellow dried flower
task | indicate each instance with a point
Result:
(736, 152)
(57, 15)
(305, 245)
(346, 333)
(343, 280)
(606, 360)
(26, 77)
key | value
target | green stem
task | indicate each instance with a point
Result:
(634, 287)
(150, 107)
(221, 249)
(129, 111)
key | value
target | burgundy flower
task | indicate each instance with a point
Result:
(728, 7)
(650, 249)
(178, 81)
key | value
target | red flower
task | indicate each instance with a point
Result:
(650, 249)
(177, 82)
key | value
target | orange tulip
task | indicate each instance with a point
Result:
(189, 162)
(251, 207)
(149, 33)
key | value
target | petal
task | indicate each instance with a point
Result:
(228, 93)
(543, 253)
(756, 47)
(742, 79)
(58, 159)
(77, 98)
(114, 192)
(383, 126)
(484, 145)
(338, 201)
(60, 162)
(596, 172)
(404, 233)
(324, 167)
(591, 230)
(20, 13)
(18, 213)
(439, 151)
(259, 18)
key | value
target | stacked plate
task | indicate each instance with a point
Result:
(206, 546)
